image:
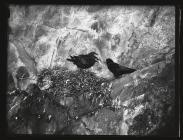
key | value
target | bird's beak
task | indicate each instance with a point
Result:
(68, 59)
(95, 53)
(98, 59)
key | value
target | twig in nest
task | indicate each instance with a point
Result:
(77, 29)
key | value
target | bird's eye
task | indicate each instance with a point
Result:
(16, 118)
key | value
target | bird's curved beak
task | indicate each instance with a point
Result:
(98, 59)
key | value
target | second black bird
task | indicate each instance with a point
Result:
(84, 61)
(117, 69)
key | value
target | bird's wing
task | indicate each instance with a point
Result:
(115, 66)
(83, 61)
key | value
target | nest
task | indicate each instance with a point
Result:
(70, 96)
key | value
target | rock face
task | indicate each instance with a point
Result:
(92, 102)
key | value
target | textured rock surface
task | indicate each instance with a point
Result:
(141, 103)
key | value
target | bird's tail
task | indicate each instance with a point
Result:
(129, 70)
(125, 71)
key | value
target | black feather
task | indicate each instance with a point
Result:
(84, 61)
(117, 69)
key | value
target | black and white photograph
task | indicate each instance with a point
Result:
(91, 70)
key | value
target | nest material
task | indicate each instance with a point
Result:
(74, 94)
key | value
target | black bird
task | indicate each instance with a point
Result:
(84, 61)
(117, 69)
